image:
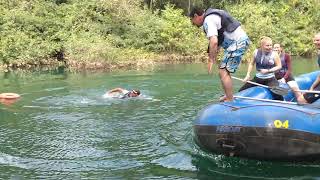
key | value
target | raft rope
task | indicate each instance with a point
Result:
(266, 100)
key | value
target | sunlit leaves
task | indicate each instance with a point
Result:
(113, 30)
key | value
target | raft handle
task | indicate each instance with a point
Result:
(228, 146)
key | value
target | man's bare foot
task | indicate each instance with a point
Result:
(222, 98)
(228, 100)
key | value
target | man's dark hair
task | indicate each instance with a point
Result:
(136, 91)
(196, 10)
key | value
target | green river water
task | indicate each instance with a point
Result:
(63, 128)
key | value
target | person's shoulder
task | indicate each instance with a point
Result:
(275, 54)
(213, 17)
(287, 55)
(255, 52)
(212, 22)
(124, 91)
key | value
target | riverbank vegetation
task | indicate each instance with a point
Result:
(113, 33)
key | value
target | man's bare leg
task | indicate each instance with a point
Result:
(298, 95)
(226, 84)
(295, 88)
(222, 98)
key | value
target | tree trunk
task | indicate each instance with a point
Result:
(189, 7)
(147, 2)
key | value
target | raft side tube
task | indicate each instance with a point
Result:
(258, 143)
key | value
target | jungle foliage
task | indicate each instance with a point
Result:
(126, 30)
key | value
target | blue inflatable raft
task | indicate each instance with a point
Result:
(262, 129)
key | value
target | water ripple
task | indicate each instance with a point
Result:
(66, 129)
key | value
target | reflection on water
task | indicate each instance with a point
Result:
(64, 127)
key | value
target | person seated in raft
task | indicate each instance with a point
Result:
(316, 42)
(267, 63)
(309, 98)
(312, 97)
(284, 75)
(124, 93)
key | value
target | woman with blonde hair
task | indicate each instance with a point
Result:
(267, 62)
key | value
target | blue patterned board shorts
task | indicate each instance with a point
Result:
(233, 52)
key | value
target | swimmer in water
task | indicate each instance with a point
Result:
(123, 93)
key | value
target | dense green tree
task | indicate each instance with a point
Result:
(119, 30)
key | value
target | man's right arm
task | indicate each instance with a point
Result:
(211, 25)
(213, 51)
(250, 67)
(120, 90)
